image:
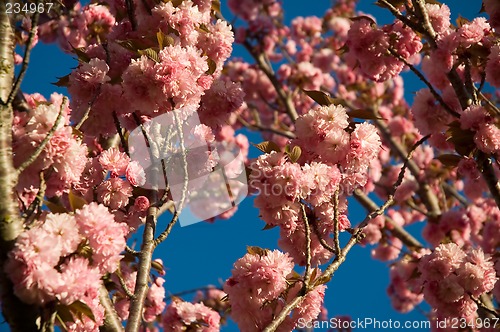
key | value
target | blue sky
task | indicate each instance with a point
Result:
(202, 254)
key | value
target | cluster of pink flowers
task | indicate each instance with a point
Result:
(368, 48)
(322, 135)
(452, 279)
(49, 260)
(258, 289)
(404, 289)
(61, 162)
(181, 316)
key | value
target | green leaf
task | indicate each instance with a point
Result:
(203, 28)
(268, 227)
(267, 147)
(320, 97)
(64, 313)
(76, 202)
(62, 81)
(253, 250)
(150, 53)
(128, 44)
(158, 267)
(55, 208)
(450, 160)
(463, 140)
(216, 6)
(212, 66)
(363, 114)
(82, 56)
(160, 37)
(80, 308)
(294, 155)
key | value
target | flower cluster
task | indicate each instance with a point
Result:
(258, 289)
(452, 279)
(181, 316)
(369, 48)
(49, 260)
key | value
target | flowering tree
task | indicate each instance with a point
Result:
(327, 96)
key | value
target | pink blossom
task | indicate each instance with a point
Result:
(181, 315)
(106, 237)
(114, 193)
(487, 138)
(74, 286)
(450, 276)
(135, 174)
(429, 116)
(473, 117)
(261, 277)
(217, 104)
(141, 203)
(473, 32)
(493, 65)
(439, 16)
(114, 161)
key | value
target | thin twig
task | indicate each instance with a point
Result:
(424, 191)
(395, 229)
(320, 237)
(131, 14)
(486, 168)
(27, 55)
(120, 133)
(254, 126)
(307, 274)
(88, 109)
(451, 191)
(44, 142)
(336, 221)
(131, 251)
(285, 99)
(163, 236)
(284, 313)
(436, 95)
(125, 288)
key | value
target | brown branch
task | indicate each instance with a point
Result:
(112, 322)
(163, 236)
(320, 238)
(141, 284)
(20, 316)
(336, 241)
(436, 95)
(88, 109)
(307, 229)
(26, 57)
(395, 229)
(486, 168)
(264, 66)
(428, 197)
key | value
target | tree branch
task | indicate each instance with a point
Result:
(284, 97)
(20, 316)
(112, 322)
(27, 55)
